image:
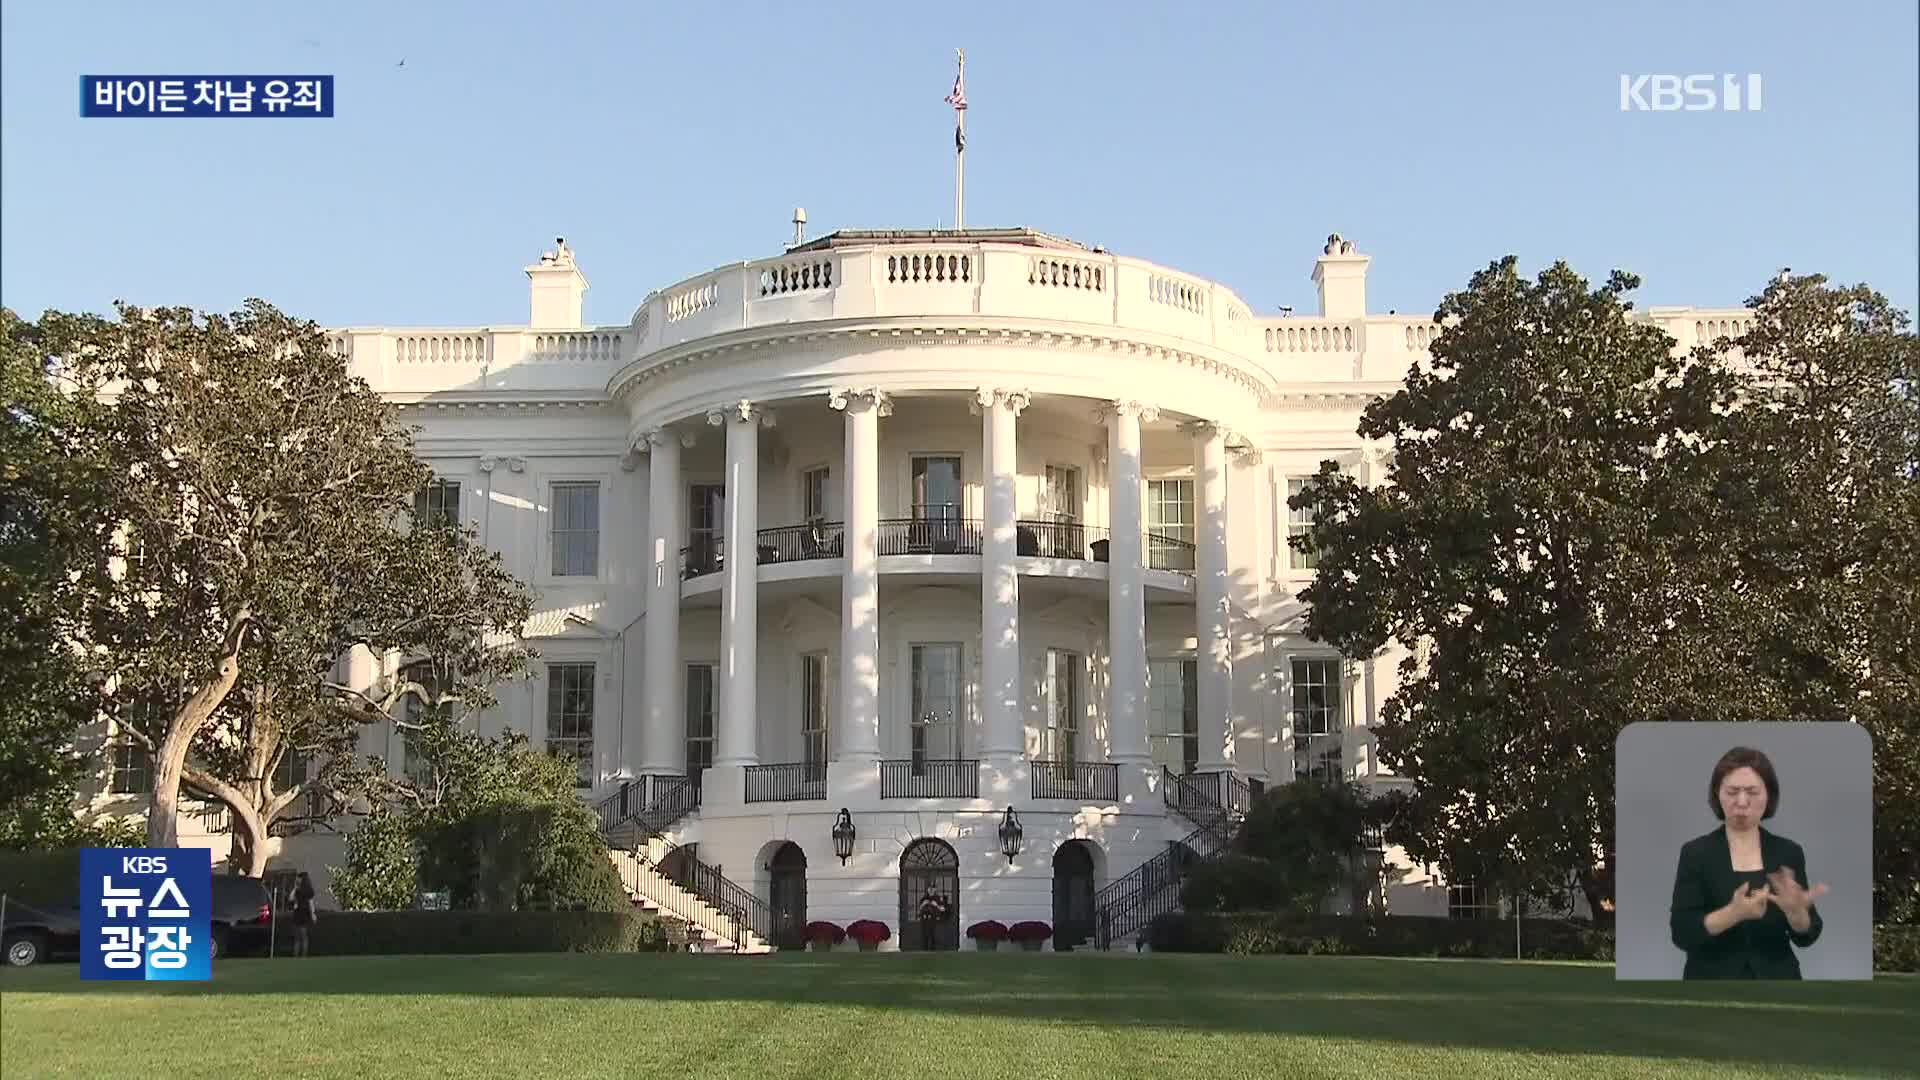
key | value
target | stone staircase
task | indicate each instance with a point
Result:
(720, 916)
(716, 930)
(1214, 802)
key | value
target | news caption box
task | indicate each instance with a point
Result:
(206, 95)
(146, 913)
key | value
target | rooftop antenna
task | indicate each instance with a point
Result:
(799, 225)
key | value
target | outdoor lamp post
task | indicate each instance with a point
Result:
(843, 834)
(1011, 835)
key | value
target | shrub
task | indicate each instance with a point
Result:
(383, 868)
(1253, 933)
(1233, 882)
(821, 930)
(41, 877)
(1896, 948)
(514, 856)
(1029, 931)
(988, 930)
(357, 933)
(868, 931)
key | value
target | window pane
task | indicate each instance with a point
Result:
(1318, 698)
(699, 718)
(813, 494)
(576, 529)
(570, 715)
(813, 711)
(1299, 523)
(936, 702)
(1063, 706)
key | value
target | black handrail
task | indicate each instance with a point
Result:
(935, 535)
(628, 818)
(791, 781)
(1085, 780)
(1196, 797)
(930, 778)
(1169, 553)
(1130, 903)
(798, 543)
(1061, 540)
(748, 912)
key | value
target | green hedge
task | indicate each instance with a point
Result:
(361, 933)
(1252, 933)
(1896, 948)
(41, 877)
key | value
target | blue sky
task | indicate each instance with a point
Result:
(1223, 139)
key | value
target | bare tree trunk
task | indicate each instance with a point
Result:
(250, 842)
(163, 828)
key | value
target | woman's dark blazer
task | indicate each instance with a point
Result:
(1755, 949)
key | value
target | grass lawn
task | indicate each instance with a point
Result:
(1019, 1016)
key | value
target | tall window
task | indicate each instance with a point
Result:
(576, 528)
(1468, 901)
(1170, 521)
(813, 713)
(699, 719)
(936, 489)
(1318, 719)
(291, 772)
(1300, 523)
(416, 711)
(570, 715)
(936, 703)
(132, 770)
(1062, 736)
(706, 527)
(813, 494)
(438, 503)
(1060, 506)
(1173, 700)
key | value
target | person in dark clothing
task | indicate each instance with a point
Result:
(1740, 894)
(933, 911)
(303, 913)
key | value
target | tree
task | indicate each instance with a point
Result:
(1311, 832)
(54, 483)
(1582, 531)
(265, 499)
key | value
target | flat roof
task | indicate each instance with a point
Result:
(870, 237)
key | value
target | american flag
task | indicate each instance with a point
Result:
(958, 99)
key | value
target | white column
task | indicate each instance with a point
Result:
(1211, 619)
(1126, 585)
(737, 730)
(859, 720)
(663, 745)
(999, 577)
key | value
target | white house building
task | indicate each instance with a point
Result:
(897, 538)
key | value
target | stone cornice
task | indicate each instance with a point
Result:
(1222, 362)
(588, 402)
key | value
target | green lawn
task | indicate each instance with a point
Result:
(1019, 1016)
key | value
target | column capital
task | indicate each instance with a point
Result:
(1207, 429)
(987, 397)
(853, 400)
(492, 461)
(1146, 414)
(740, 412)
(661, 436)
(1245, 453)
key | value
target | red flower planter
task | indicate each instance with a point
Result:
(1031, 934)
(988, 934)
(823, 935)
(868, 933)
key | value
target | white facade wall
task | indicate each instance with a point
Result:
(927, 325)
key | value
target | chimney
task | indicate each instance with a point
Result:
(1340, 277)
(558, 288)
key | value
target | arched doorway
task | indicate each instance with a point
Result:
(787, 896)
(1072, 894)
(929, 862)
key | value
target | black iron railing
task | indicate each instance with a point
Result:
(1169, 553)
(1061, 540)
(791, 781)
(747, 911)
(1128, 904)
(1091, 781)
(799, 543)
(706, 555)
(929, 536)
(642, 809)
(1196, 797)
(930, 778)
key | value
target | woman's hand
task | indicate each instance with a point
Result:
(1794, 902)
(1748, 902)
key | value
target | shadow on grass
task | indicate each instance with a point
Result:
(1463, 1004)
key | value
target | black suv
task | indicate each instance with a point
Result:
(242, 920)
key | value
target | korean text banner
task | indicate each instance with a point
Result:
(206, 95)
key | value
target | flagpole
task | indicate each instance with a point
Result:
(960, 148)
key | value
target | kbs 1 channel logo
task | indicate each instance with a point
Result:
(206, 95)
(146, 913)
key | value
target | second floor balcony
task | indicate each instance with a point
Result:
(707, 553)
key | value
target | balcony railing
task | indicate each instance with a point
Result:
(706, 555)
(929, 536)
(799, 543)
(1169, 553)
(1083, 781)
(1061, 540)
(930, 778)
(794, 781)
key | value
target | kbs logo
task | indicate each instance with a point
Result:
(1689, 93)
